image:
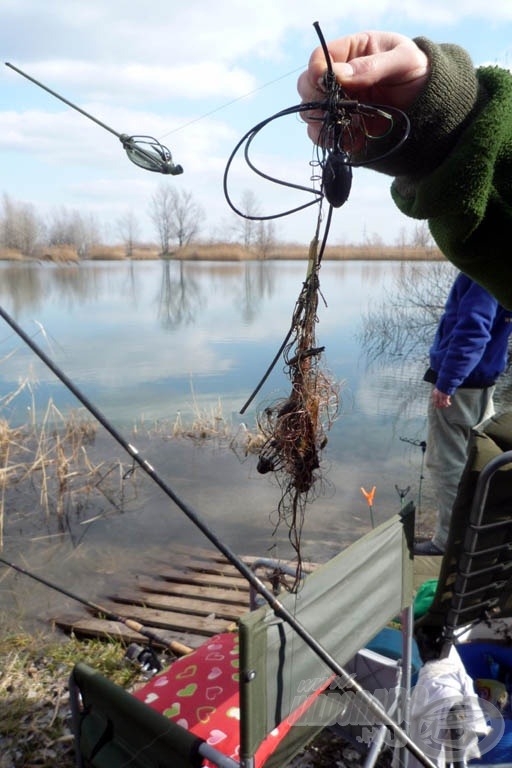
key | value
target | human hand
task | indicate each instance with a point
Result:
(373, 67)
(440, 399)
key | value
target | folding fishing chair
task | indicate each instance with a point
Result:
(475, 580)
(264, 683)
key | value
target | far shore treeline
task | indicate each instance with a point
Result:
(71, 236)
(227, 252)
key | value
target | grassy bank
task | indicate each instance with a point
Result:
(35, 717)
(231, 252)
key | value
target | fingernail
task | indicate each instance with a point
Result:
(344, 70)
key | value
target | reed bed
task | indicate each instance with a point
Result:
(300, 252)
(120, 253)
(206, 425)
(227, 251)
(50, 460)
(53, 459)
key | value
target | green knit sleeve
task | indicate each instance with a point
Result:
(455, 169)
(439, 114)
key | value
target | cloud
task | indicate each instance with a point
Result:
(234, 31)
(129, 83)
(196, 79)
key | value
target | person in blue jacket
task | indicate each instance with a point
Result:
(469, 353)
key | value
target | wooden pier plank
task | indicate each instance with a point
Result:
(194, 592)
(181, 604)
(203, 553)
(203, 579)
(151, 617)
(197, 593)
(102, 628)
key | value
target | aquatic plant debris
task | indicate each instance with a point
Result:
(295, 427)
(350, 134)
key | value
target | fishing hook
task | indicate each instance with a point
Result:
(144, 151)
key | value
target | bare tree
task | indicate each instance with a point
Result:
(69, 227)
(246, 228)
(374, 240)
(421, 237)
(403, 325)
(187, 217)
(20, 228)
(265, 238)
(161, 215)
(129, 231)
(176, 217)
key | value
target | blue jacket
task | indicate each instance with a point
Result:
(471, 342)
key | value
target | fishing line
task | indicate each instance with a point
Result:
(145, 154)
(291, 329)
(280, 611)
(351, 134)
(229, 103)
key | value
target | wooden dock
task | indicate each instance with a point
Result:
(200, 595)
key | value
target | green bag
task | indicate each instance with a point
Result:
(424, 597)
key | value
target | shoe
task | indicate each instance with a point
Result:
(427, 548)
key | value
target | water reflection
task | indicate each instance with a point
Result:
(147, 340)
(180, 296)
(397, 332)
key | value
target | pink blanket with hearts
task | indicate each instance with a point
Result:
(200, 692)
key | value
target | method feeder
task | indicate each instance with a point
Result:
(144, 151)
(272, 600)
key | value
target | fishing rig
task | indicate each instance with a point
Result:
(351, 134)
(144, 151)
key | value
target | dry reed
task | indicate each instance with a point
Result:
(51, 459)
(60, 254)
(299, 252)
(207, 425)
(228, 251)
(11, 254)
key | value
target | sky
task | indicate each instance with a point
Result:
(197, 76)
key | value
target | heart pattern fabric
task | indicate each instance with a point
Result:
(200, 692)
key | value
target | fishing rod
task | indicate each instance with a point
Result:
(173, 645)
(144, 151)
(279, 609)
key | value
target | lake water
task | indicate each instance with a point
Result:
(148, 341)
